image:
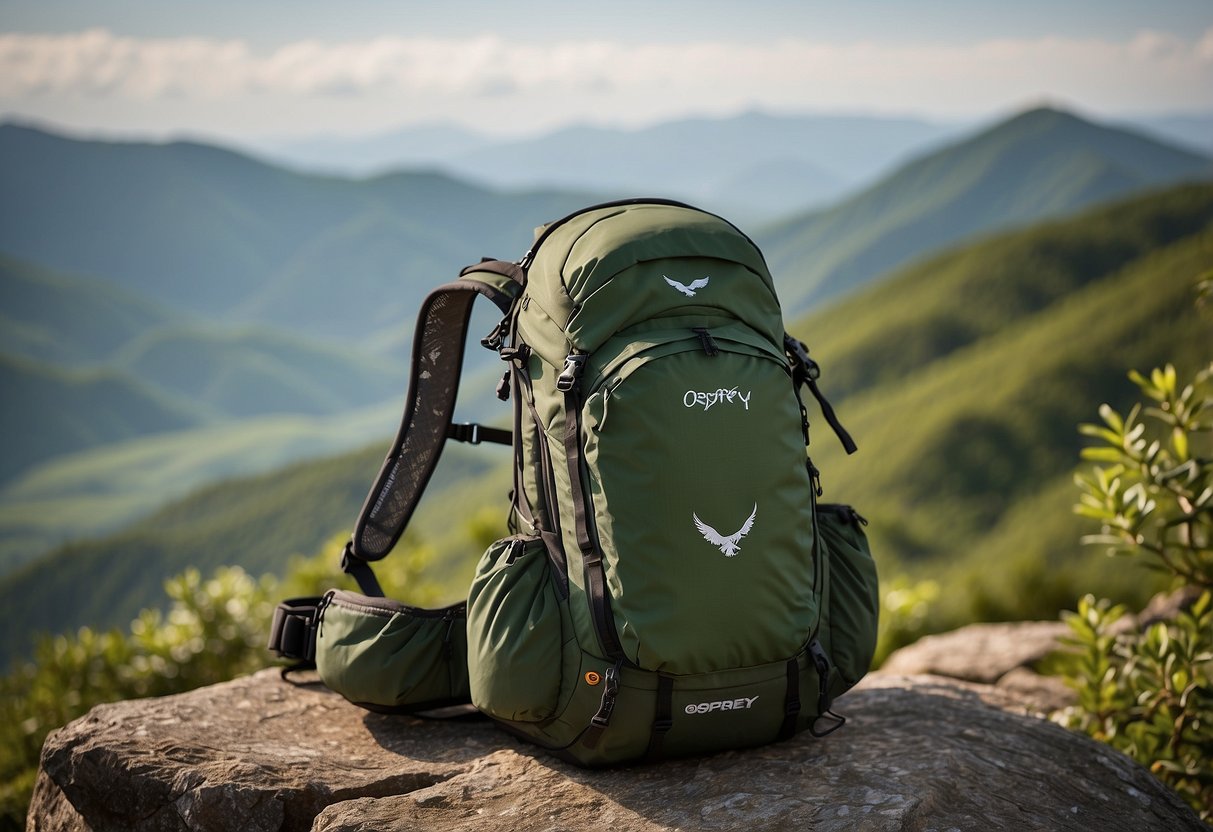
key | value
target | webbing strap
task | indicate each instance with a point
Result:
(806, 371)
(791, 701)
(437, 360)
(663, 717)
(591, 555)
(474, 434)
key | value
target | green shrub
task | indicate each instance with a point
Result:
(214, 630)
(1150, 693)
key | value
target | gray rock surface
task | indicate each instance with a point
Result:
(993, 654)
(918, 753)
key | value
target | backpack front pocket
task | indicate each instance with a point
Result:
(701, 502)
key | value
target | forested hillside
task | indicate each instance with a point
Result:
(224, 236)
(1040, 164)
(962, 378)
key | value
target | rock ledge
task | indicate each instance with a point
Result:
(918, 753)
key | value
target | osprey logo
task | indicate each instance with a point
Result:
(743, 703)
(730, 545)
(694, 398)
(689, 291)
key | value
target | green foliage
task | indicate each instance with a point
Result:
(214, 630)
(259, 522)
(1154, 495)
(1148, 694)
(905, 608)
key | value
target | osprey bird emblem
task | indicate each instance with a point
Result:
(689, 291)
(730, 545)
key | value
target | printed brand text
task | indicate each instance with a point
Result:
(694, 398)
(742, 704)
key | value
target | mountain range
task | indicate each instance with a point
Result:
(753, 167)
(223, 236)
(174, 314)
(962, 378)
(1039, 164)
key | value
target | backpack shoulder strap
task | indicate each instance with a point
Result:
(437, 361)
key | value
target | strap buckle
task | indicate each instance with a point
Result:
(465, 432)
(574, 363)
(294, 627)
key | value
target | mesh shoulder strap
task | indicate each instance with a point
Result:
(438, 347)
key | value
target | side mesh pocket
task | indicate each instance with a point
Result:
(514, 632)
(853, 600)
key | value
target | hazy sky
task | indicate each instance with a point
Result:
(274, 68)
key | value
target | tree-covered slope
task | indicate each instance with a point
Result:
(46, 411)
(66, 320)
(965, 450)
(217, 234)
(966, 416)
(1040, 164)
(252, 372)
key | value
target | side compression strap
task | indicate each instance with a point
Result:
(806, 371)
(438, 347)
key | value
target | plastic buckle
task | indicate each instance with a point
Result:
(574, 362)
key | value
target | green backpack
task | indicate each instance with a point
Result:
(671, 586)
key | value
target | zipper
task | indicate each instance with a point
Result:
(529, 257)
(707, 341)
(352, 601)
(846, 513)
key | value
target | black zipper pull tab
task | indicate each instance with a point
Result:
(610, 690)
(503, 386)
(706, 339)
(814, 477)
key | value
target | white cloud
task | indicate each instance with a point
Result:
(414, 79)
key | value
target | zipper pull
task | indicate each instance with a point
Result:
(609, 691)
(814, 477)
(706, 339)
(515, 550)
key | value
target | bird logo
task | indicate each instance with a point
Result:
(729, 545)
(689, 291)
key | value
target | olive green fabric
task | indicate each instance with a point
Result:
(700, 721)
(514, 657)
(851, 611)
(386, 655)
(678, 441)
(648, 365)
